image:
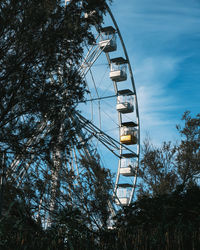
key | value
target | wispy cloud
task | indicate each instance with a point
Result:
(156, 100)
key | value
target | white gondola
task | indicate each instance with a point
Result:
(118, 69)
(128, 133)
(128, 165)
(123, 194)
(125, 101)
(108, 39)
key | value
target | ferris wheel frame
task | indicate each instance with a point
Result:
(94, 52)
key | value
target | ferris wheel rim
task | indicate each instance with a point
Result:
(136, 107)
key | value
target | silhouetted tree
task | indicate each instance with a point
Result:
(41, 47)
(188, 151)
(157, 170)
(41, 51)
(166, 221)
(167, 167)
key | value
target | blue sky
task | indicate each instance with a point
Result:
(163, 43)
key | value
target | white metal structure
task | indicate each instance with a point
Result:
(124, 144)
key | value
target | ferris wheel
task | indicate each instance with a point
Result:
(110, 115)
(107, 126)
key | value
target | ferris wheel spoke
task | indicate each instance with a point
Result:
(112, 144)
(93, 54)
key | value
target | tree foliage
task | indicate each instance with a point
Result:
(165, 168)
(188, 151)
(166, 221)
(41, 51)
(41, 48)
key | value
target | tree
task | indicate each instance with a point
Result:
(18, 229)
(41, 51)
(157, 170)
(167, 221)
(168, 167)
(80, 214)
(188, 151)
